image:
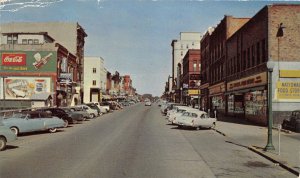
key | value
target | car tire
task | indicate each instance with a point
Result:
(15, 130)
(66, 123)
(52, 130)
(2, 143)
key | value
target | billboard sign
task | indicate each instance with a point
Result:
(23, 87)
(28, 61)
(288, 90)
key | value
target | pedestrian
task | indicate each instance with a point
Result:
(193, 103)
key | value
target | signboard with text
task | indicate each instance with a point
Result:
(288, 90)
(28, 61)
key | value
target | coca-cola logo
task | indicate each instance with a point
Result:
(13, 59)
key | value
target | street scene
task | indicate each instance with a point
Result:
(109, 88)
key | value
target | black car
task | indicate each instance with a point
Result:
(292, 123)
(60, 113)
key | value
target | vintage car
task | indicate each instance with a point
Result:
(31, 121)
(82, 111)
(148, 103)
(6, 136)
(177, 113)
(58, 112)
(92, 112)
(196, 119)
(76, 117)
(292, 123)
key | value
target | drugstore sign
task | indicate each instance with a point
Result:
(288, 90)
(28, 61)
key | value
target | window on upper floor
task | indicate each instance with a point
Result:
(94, 70)
(12, 39)
(30, 41)
(194, 66)
(24, 41)
(35, 41)
(94, 82)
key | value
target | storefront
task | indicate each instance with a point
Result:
(247, 98)
(217, 97)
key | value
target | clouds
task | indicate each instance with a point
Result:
(16, 5)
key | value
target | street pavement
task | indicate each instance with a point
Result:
(134, 142)
(255, 137)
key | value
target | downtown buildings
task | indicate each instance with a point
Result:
(234, 71)
(45, 61)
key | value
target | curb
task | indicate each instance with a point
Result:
(285, 166)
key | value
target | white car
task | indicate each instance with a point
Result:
(174, 118)
(92, 112)
(196, 119)
(103, 109)
(148, 103)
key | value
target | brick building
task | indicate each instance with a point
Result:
(248, 51)
(191, 75)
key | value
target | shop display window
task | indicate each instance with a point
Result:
(256, 103)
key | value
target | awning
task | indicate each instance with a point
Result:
(41, 96)
(246, 90)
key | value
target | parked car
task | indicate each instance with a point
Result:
(82, 111)
(196, 119)
(6, 136)
(178, 112)
(148, 103)
(103, 110)
(76, 117)
(60, 113)
(31, 121)
(106, 106)
(95, 107)
(92, 112)
(292, 123)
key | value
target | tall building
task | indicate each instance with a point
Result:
(188, 40)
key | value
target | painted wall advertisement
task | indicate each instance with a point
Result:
(287, 91)
(24, 87)
(29, 61)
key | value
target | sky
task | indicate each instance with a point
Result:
(132, 36)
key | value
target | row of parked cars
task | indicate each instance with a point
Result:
(15, 122)
(186, 117)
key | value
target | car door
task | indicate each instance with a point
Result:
(35, 122)
(205, 121)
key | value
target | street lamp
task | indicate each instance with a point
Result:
(269, 146)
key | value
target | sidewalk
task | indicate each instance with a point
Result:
(255, 138)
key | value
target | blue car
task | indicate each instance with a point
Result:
(31, 121)
(6, 136)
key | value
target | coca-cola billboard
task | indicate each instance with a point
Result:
(13, 59)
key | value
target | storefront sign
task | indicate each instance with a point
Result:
(193, 92)
(24, 87)
(13, 59)
(289, 73)
(253, 81)
(219, 88)
(288, 90)
(28, 61)
(194, 76)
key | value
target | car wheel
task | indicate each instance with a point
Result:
(92, 116)
(52, 130)
(2, 143)
(84, 118)
(66, 123)
(15, 130)
(213, 126)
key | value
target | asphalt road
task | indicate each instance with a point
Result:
(135, 142)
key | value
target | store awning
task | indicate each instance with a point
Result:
(41, 96)
(246, 90)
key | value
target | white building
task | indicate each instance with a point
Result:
(94, 79)
(188, 40)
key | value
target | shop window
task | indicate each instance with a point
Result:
(256, 103)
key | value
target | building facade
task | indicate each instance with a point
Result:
(188, 40)
(68, 34)
(191, 76)
(31, 64)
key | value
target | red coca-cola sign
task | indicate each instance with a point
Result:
(9, 59)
